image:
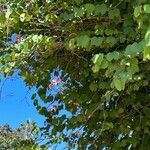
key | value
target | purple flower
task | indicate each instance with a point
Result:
(57, 83)
(13, 38)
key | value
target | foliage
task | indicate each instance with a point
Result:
(105, 46)
(23, 138)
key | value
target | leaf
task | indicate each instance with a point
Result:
(121, 110)
(133, 49)
(8, 12)
(111, 41)
(113, 56)
(98, 58)
(96, 41)
(89, 8)
(83, 41)
(33, 96)
(114, 13)
(80, 118)
(104, 64)
(147, 8)
(43, 111)
(22, 17)
(133, 67)
(28, 17)
(119, 83)
(72, 44)
(146, 53)
(93, 86)
(79, 12)
(2, 21)
(100, 9)
(109, 56)
(108, 125)
(96, 68)
(137, 11)
(93, 108)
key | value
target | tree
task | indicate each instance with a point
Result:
(16, 140)
(104, 46)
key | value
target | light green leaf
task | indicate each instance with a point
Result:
(113, 56)
(79, 12)
(72, 43)
(96, 68)
(8, 12)
(116, 55)
(109, 125)
(147, 8)
(98, 58)
(83, 41)
(137, 11)
(146, 53)
(89, 8)
(22, 17)
(109, 56)
(104, 64)
(28, 17)
(119, 83)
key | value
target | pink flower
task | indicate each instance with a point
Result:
(56, 81)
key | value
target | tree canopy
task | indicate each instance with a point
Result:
(100, 52)
(23, 138)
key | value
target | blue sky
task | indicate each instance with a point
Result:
(15, 104)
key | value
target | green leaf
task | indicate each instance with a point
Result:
(72, 44)
(114, 13)
(111, 41)
(2, 21)
(96, 41)
(28, 17)
(146, 53)
(133, 67)
(93, 86)
(96, 68)
(33, 96)
(98, 58)
(113, 56)
(80, 118)
(42, 111)
(109, 56)
(116, 55)
(104, 64)
(121, 110)
(147, 8)
(137, 11)
(79, 12)
(100, 9)
(109, 125)
(8, 12)
(119, 83)
(93, 108)
(133, 50)
(83, 41)
(89, 8)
